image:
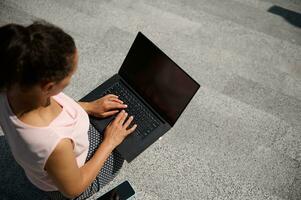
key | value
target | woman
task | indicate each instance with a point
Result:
(49, 133)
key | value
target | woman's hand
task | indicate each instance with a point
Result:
(106, 106)
(117, 130)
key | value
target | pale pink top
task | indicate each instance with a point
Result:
(31, 146)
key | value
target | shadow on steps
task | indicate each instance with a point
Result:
(292, 17)
(13, 182)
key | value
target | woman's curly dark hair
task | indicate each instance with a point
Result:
(34, 54)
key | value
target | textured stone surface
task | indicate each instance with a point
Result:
(247, 16)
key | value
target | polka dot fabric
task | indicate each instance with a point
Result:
(106, 174)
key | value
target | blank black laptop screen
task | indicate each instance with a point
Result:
(159, 80)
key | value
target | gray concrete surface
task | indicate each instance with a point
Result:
(240, 137)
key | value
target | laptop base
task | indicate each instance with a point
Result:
(133, 145)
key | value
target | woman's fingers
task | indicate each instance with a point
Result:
(116, 100)
(113, 98)
(131, 129)
(113, 105)
(109, 113)
(118, 117)
(128, 122)
(121, 117)
(111, 95)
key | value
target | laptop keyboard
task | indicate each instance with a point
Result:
(143, 117)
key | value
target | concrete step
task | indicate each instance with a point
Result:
(271, 101)
(126, 17)
(232, 135)
(255, 57)
(244, 15)
(53, 12)
(252, 126)
(283, 55)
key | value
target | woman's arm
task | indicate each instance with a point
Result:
(70, 179)
(62, 166)
(85, 106)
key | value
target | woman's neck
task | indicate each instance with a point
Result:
(22, 102)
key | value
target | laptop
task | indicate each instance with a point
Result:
(156, 91)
